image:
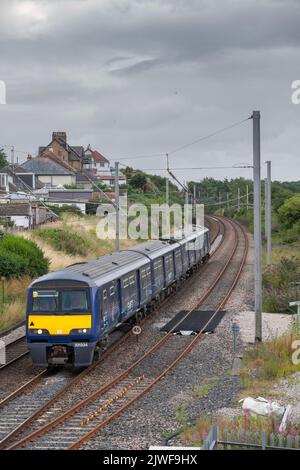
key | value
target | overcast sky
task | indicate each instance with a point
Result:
(140, 77)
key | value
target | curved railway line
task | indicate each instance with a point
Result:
(72, 428)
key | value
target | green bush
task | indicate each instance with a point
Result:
(291, 235)
(69, 209)
(21, 257)
(12, 265)
(289, 212)
(63, 240)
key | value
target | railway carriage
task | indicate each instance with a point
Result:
(71, 312)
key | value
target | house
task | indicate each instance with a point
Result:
(96, 162)
(74, 156)
(109, 180)
(17, 179)
(50, 171)
(70, 197)
(23, 215)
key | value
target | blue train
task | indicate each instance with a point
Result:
(70, 313)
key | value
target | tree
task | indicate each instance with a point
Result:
(138, 181)
(3, 159)
(289, 212)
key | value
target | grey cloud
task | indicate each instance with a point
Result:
(133, 77)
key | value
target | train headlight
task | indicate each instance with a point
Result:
(39, 331)
(80, 331)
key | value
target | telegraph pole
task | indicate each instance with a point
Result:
(269, 215)
(167, 190)
(187, 198)
(257, 225)
(12, 154)
(117, 202)
(227, 197)
(247, 196)
(239, 195)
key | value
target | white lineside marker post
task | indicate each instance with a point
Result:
(296, 304)
(257, 226)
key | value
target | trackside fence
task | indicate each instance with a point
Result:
(218, 439)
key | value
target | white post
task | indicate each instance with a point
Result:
(239, 195)
(257, 225)
(247, 196)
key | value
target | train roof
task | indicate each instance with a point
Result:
(108, 267)
(154, 249)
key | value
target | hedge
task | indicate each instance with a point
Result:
(20, 257)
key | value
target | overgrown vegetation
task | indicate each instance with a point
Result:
(195, 435)
(63, 239)
(64, 209)
(13, 301)
(20, 257)
(150, 189)
(280, 285)
(266, 362)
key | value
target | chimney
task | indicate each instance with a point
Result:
(62, 136)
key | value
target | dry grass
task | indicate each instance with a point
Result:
(12, 313)
(195, 435)
(14, 307)
(86, 228)
(267, 362)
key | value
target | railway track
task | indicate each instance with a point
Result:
(72, 428)
(14, 351)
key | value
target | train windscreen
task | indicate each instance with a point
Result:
(60, 301)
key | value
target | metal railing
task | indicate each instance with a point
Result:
(245, 440)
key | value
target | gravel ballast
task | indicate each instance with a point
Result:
(206, 369)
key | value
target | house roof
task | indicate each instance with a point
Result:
(75, 152)
(69, 194)
(97, 156)
(47, 166)
(20, 181)
(111, 177)
(7, 210)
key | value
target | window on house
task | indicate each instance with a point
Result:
(3, 180)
